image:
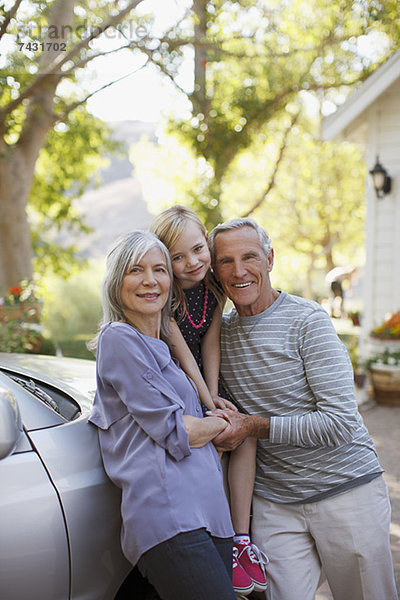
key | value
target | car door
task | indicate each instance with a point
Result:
(34, 560)
(91, 505)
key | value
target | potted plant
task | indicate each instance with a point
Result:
(384, 369)
(385, 336)
(389, 329)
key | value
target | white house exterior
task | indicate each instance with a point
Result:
(371, 118)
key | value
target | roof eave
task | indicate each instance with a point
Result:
(361, 99)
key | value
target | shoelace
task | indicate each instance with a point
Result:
(235, 557)
(255, 555)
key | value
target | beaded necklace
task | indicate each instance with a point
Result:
(189, 318)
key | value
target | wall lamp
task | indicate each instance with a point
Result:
(381, 180)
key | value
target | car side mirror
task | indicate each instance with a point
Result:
(10, 423)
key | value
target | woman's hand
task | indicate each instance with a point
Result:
(203, 430)
(240, 426)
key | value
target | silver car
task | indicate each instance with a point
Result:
(59, 514)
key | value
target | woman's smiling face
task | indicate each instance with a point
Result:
(145, 287)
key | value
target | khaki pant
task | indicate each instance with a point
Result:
(346, 536)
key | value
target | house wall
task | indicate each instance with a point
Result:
(382, 285)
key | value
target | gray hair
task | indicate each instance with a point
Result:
(263, 237)
(128, 251)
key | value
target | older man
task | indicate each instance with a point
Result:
(319, 498)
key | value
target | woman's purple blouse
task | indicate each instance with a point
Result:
(167, 487)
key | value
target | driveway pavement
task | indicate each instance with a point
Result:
(383, 423)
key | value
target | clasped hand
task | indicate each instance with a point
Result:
(234, 433)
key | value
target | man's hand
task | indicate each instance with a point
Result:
(239, 427)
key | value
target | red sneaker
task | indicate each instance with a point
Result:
(253, 562)
(242, 584)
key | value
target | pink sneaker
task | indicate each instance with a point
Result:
(253, 562)
(242, 584)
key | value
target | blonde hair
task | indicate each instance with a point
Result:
(168, 226)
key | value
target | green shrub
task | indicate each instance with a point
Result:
(76, 347)
(72, 306)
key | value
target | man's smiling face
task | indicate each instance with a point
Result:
(243, 270)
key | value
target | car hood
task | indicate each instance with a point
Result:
(74, 376)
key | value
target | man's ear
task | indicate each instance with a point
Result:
(270, 260)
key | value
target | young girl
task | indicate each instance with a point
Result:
(197, 304)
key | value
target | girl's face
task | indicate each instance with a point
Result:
(190, 256)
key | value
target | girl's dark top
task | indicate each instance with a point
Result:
(193, 337)
(195, 306)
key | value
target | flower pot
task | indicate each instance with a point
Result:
(385, 381)
(355, 319)
(359, 379)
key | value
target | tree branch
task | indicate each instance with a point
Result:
(96, 33)
(53, 69)
(276, 167)
(71, 107)
(8, 16)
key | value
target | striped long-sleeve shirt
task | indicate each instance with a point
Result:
(287, 363)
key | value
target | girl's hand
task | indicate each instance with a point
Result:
(223, 403)
(219, 402)
(230, 405)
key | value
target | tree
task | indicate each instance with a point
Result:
(308, 194)
(253, 61)
(315, 213)
(257, 66)
(54, 43)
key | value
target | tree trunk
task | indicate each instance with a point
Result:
(15, 239)
(199, 96)
(17, 166)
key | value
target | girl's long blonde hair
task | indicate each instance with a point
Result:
(168, 227)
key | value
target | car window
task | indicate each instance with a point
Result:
(57, 400)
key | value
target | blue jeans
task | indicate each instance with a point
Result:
(191, 565)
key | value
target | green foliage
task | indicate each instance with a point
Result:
(58, 184)
(72, 307)
(256, 60)
(252, 61)
(390, 359)
(75, 347)
(43, 90)
(319, 184)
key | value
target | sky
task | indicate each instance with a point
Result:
(145, 95)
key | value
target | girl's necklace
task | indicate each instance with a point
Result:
(189, 318)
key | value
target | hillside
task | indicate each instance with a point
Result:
(117, 206)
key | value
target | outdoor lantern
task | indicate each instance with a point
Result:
(381, 180)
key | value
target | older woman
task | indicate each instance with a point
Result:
(155, 444)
